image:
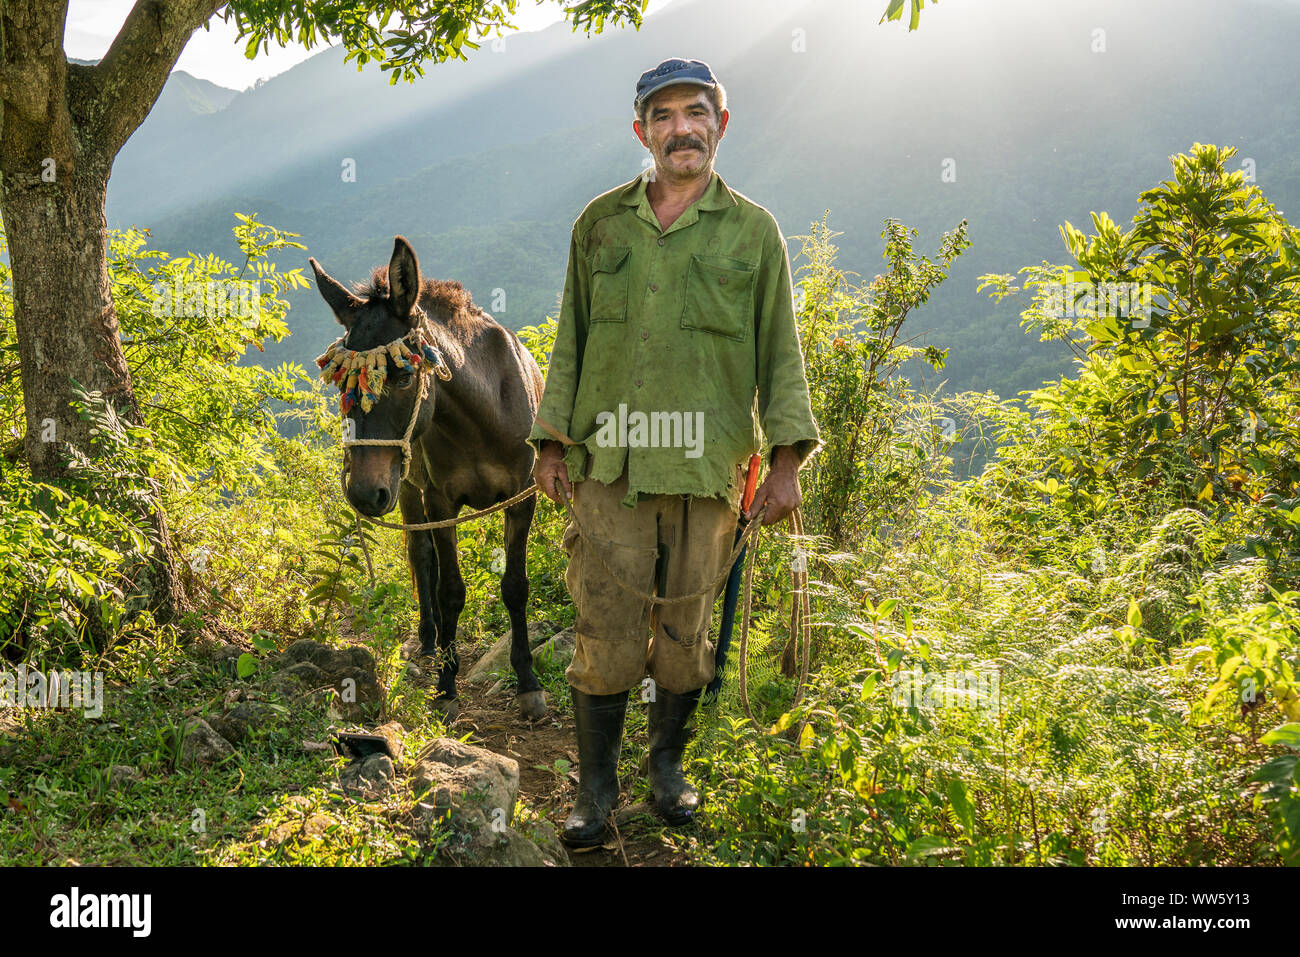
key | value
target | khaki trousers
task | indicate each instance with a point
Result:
(668, 545)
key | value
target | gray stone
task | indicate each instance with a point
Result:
(301, 673)
(367, 696)
(557, 651)
(308, 666)
(226, 657)
(203, 747)
(473, 782)
(497, 658)
(509, 848)
(244, 717)
(368, 777)
(120, 775)
(327, 659)
(547, 838)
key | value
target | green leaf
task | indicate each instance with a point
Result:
(925, 846)
(246, 666)
(959, 798)
(1134, 615)
(1288, 735)
(782, 723)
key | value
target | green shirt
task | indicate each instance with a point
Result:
(668, 342)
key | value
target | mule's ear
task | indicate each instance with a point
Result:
(403, 278)
(339, 299)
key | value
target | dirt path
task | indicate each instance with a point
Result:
(537, 745)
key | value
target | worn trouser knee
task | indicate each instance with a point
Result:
(622, 637)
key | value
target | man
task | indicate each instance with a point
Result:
(676, 324)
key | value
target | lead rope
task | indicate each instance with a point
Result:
(800, 611)
(800, 625)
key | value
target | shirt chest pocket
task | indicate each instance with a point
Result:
(720, 296)
(610, 272)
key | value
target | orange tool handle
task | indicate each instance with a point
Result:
(751, 481)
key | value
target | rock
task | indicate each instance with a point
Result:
(368, 777)
(497, 657)
(308, 666)
(392, 732)
(317, 825)
(314, 825)
(120, 775)
(478, 785)
(300, 674)
(203, 746)
(244, 717)
(509, 848)
(547, 838)
(360, 694)
(557, 651)
(226, 657)
(327, 659)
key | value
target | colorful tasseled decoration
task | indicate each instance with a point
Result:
(361, 375)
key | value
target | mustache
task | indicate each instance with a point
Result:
(684, 144)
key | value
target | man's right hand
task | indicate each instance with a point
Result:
(550, 466)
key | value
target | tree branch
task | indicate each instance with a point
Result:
(129, 79)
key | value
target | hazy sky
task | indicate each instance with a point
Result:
(215, 55)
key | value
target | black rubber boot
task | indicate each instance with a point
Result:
(600, 739)
(675, 799)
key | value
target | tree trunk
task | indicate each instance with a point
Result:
(62, 125)
(67, 331)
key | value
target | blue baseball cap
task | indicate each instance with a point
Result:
(671, 72)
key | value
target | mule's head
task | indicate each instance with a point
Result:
(380, 312)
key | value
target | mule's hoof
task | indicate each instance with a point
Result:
(448, 708)
(532, 704)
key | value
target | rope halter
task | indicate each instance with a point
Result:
(362, 375)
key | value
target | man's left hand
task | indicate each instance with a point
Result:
(780, 490)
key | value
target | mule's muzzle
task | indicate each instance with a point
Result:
(374, 478)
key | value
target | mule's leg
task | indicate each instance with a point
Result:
(423, 556)
(514, 592)
(451, 601)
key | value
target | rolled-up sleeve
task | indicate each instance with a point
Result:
(565, 367)
(784, 408)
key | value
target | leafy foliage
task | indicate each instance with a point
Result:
(401, 36)
(852, 357)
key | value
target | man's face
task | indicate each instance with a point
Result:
(681, 131)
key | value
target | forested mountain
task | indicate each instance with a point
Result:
(485, 164)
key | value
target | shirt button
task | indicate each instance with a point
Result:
(722, 280)
(654, 287)
(638, 383)
(661, 240)
(645, 335)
